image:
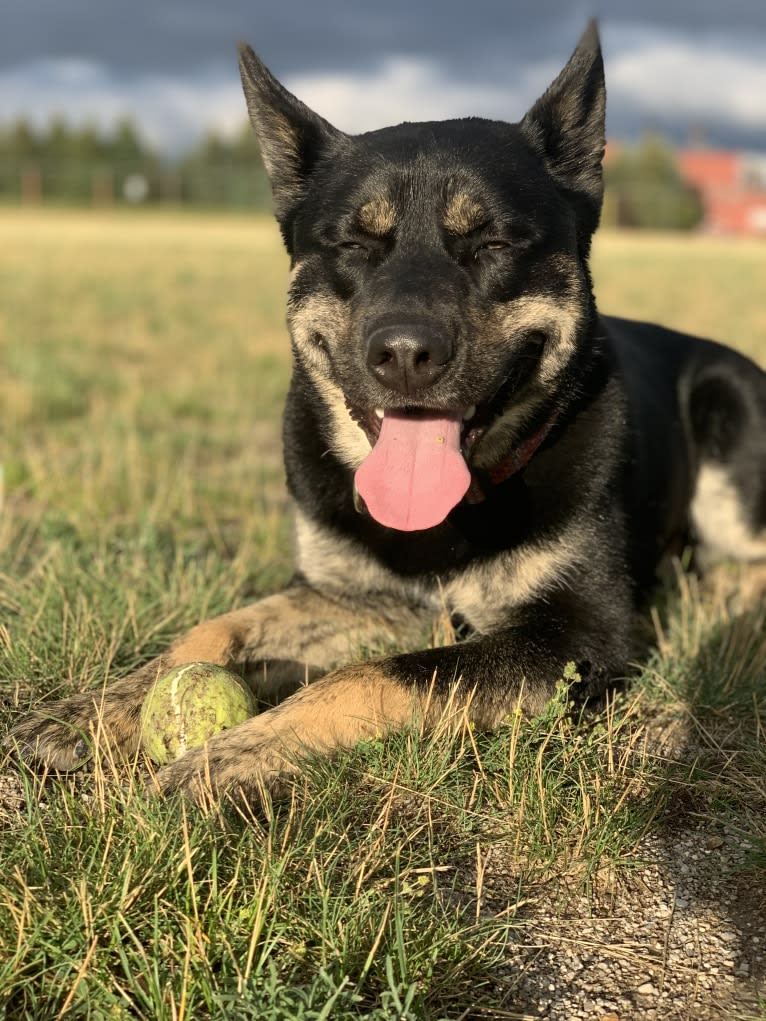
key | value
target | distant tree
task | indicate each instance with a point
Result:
(20, 141)
(124, 143)
(65, 174)
(87, 144)
(20, 149)
(244, 147)
(221, 171)
(126, 156)
(644, 188)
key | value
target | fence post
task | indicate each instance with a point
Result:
(31, 184)
(103, 186)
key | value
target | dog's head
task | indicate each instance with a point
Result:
(440, 289)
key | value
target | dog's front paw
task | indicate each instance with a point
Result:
(58, 735)
(228, 764)
(63, 735)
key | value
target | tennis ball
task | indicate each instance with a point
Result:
(187, 706)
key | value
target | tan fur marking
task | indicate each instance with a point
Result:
(328, 316)
(324, 314)
(484, 593)
(353, 703)
(559, 320)
(349, 440)
(294, 636)
(301, 631)
(463, 214)
(295, 272)
(214, 641)
(378, 217)
(350, 705)
(717, 514)
(340, 567)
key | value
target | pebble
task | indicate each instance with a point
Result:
(647, 989)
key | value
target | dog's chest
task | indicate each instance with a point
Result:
(482, 593)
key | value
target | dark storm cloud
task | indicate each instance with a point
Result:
(671, 64)
(179, 36)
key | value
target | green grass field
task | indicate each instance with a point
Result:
(143, 363)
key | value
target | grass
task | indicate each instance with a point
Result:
(144, 366)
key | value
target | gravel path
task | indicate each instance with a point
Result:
(683, 937)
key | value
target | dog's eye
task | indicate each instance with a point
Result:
(495, 245)
(352, 246)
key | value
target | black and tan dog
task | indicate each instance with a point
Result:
(463, 431)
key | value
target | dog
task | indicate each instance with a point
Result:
(463, 432)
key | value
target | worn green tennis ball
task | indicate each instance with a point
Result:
(187, 706)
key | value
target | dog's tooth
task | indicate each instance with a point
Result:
(379, 412)
(359, 505)
(469, 413)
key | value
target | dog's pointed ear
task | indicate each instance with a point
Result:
(291, 136)
(566, 126)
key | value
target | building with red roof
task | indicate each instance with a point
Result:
(732, 187)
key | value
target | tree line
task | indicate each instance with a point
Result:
(70, 164)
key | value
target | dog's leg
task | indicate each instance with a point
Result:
(487, 677)
(299, 630)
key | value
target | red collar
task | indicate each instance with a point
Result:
(512, 463)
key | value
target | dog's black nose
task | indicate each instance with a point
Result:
(408, 357)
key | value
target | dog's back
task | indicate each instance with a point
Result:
(697, 476)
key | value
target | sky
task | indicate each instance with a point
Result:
(677, 66)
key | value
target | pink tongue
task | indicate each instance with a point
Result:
(415, 473)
